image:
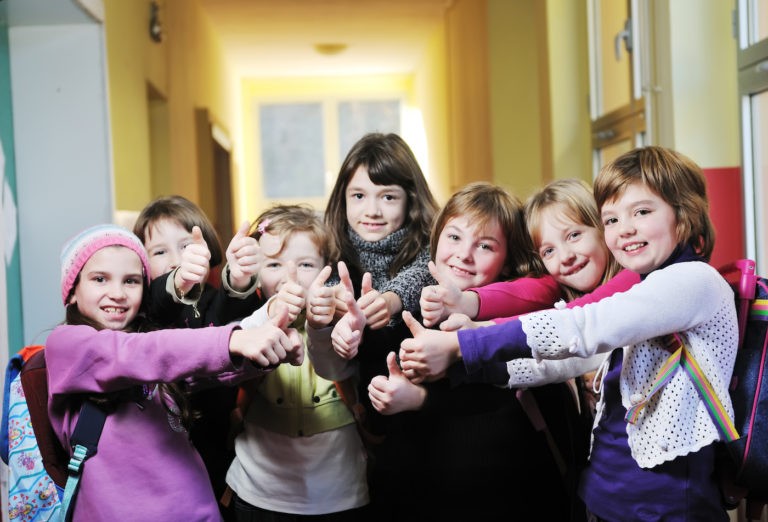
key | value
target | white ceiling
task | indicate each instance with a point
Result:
(270, 38)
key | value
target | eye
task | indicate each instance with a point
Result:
(486, 246)
(158, 252)
(545, 253)
(573, 236)
(453, 237)
(133, 281)
(642, 211)
(390, 197)
(307, 265)
(356, 195)
(273, 265)
(610, 221)
(99, 278)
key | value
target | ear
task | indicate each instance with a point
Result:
(72, 300)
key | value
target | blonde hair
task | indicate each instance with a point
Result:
(285, 220)
(676, 179)
(578, 203)
(482, 203)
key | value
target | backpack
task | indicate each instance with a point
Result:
(745, 469)
(43, 478)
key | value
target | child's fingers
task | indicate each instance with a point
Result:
(322, 277)
(392, 366)
(346, 280)
(413, 325)
(197, 236)
(367, 284)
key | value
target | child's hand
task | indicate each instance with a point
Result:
(372, 303)
(438, 301)
(269, 344)
(242, 258)
(321, 302)
(396, 393)
(341, 291)
(348, 332)
(429, 353)
(457, 321)
(291, 295)
(194, 266)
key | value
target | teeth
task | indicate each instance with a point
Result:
(632, 247)
(113, 310)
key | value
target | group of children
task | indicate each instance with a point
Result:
(434, 369)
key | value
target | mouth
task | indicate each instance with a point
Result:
(461, 271)
(633, 247)
(575, 270)
(373, 225)
(114, 310)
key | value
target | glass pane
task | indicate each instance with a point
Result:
(760, 162)
(357, 118)
(611, 152)
(758, 21)
(615, 73)
(292, 150)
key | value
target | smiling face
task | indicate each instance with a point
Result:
(640, 228)
(300, 248)
(470, 257)
(573, 253)
(166, 239)
(374, 211)
(110, 287)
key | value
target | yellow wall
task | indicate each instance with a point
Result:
(186, 71)
(516, 95)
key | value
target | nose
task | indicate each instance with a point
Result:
(464, 252)
(174, 260)
(116, 291)
(373, 208)
(568, 257)
(626, 227)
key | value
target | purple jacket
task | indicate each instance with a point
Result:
(143, 469)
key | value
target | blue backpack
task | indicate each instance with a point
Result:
(43, 478)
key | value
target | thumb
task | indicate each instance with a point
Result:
(291, 272)
(392, 366)
(345, 279)
(280, 319)
(243, 230)
(367, 284)
(322, 277)
(197, 236)
(413, 325)
(435, 272)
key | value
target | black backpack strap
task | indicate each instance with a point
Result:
(84, 441)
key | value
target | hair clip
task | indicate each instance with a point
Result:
(262, 227)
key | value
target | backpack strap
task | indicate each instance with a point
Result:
(84, 440)
(683, 358)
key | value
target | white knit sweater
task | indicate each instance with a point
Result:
(690, 298)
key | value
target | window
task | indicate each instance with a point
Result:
(300, 142)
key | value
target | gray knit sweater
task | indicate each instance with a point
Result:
(377, 256)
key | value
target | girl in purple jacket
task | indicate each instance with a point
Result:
(146, 467)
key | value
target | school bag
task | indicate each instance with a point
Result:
(745, 473)
(742, 459)
(43, 478)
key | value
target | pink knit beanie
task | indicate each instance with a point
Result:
(79, 249)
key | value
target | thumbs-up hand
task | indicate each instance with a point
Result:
(341, 291)
(372, 303)
(321, 302)
(291, 294)
(269, 344)
(194, 266)
(242, 258)
(348, 332)
(438, 301)
(393, 394)
(459, 321)
(429, 352)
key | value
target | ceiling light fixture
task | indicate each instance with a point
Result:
(330, 49)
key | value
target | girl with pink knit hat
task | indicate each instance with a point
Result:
(145, 468)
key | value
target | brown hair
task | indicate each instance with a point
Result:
(185, 213)
(284, 220)
(389, 161)
(676, 179)
(483, 203)
(575, 198)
